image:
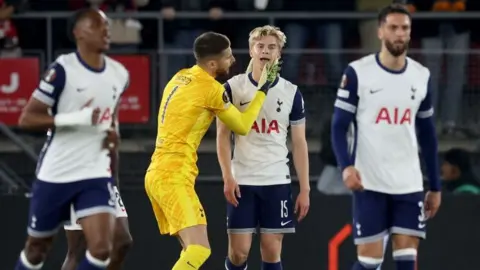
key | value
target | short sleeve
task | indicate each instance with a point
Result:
(228, 89)
(426, 107)
(347, 94)
(297, 114)
(217, 99)
(51, 85)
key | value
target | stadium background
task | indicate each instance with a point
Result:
(322, 37)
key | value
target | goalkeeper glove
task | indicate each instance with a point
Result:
(269, 74)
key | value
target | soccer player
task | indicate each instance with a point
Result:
(122, 238)
(386, 100)
(257, 181)
(190, 102)
(76, 100)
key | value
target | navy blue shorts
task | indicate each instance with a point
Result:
(377, 214)
(269, 208)
(50, 205)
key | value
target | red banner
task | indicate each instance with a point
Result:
(18, 78)
(135, 103)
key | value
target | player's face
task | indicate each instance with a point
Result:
(264, 50)
(96, 32)
(449, 172)
(395, 33)
(224, 62)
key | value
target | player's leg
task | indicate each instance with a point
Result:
(408, 227)
(76, 245)
(180, 213)
(241, 224)
(370, 225)
(187, 219)
(276, 219)
(95, 209)
(122, 241)
(45, 216)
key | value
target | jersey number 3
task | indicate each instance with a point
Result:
(168, 101)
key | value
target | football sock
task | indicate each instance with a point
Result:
(405, 258)
(366, 263)
(230, 266)
(92, 263)
(24, 264)
(193, 257)
(272, 266)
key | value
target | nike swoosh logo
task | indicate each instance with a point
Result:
(375, 91)
(421, 226)
(285, 223)
(191, 265)
(81, 89)
(244, 103)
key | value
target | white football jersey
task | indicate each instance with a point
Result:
(260, 158)
(75, 153)
(386, 103)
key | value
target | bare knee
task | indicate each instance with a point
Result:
(36, 249)
(271, 247)
(122, 244)
(239, 248)
(404, 241)
(195, 235)
(370, 254)
(100, 249)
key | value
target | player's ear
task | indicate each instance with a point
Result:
(380, 32)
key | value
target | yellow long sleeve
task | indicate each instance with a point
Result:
(241, 123)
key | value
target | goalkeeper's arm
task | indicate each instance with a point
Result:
(241, 122)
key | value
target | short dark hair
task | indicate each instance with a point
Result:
(75, 19)
(393, 9)
(210, 44)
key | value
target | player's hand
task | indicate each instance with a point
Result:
(231, 190)
(269, 74)
(302, 205)
(95, 116)
(168, 13)
(432, 203)
(112, 140)
(351, 178)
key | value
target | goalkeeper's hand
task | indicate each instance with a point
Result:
(269, 74)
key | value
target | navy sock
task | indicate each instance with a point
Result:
(272, 266)
(24, 264)
(405, 265)
(92, 263)
(230, 266)
(405, 258)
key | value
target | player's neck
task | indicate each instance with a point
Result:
(211, 73)
(391, 62)
(256, 73)
(94, 60)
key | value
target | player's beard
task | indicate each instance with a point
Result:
(222, 72)
(396, 49)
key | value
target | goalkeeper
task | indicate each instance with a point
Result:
(190, 101)
(257, 181)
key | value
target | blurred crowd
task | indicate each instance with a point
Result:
(449, 71)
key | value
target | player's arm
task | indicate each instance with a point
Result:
(343, 114)
(427, 139)
(238, 122)
(299, 142)
(224, 149)
(40, 111)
